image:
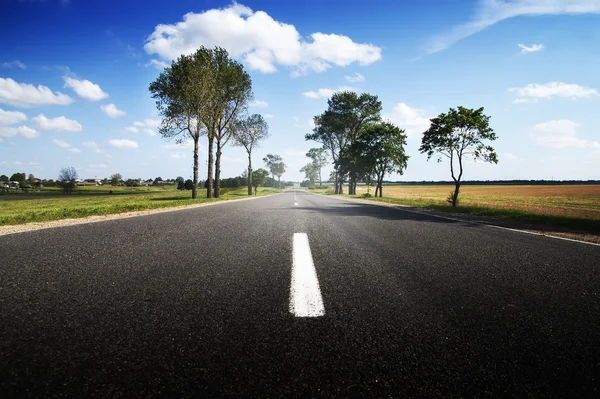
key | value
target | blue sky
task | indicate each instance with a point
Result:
(74, 79)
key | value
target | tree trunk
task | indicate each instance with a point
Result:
(278, 181)
(249, 174)
(456, 190)
(320, 178)
(351, 187)
(336, 183)
(209, 177)
(195, 186)
(218, 170)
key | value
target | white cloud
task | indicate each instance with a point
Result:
(11, 117)
(160, 65)
(533, 92)
(132, 129)
(490, 12)
(175, 146)
(510, 157)
(92, 145)
(74, 150)
(326, 93)
(14, 64)
(531, 49)
(139, 124)
(560, 134)
(412, 120)
(112, 111)
(357, 77)
(150, 132)
(152, 123)
(178, 155)
(259, 104)
(60, 124)
(61, 143)
(98, 166)
(259, 40)
(85, 89)
(123, 144)
(269, 116)
(23, 131)
(26, 95)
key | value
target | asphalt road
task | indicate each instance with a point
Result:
(196, 303)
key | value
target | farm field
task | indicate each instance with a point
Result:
(569, 206)
(52, 204)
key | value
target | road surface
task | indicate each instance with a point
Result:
(296, 295)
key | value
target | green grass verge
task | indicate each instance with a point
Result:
(504, 214)
(51, 204)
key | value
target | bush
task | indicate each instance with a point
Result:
(367, 195)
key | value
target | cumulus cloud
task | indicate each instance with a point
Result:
(326, 93)
(92, 145)
(112, 111)
(533, 92)
(23, 131)
(412, 120)
(160, 65)
(150, 132)
(14, 64)
(357, 77)
(490, 12)
(259, 40)
(123, 144)
(531, 49)
(11, 117)
(269, 116)
(132, 129)
(85, 89)
(60, 124)
(560, 134)
(61, 143)
(26, 95)
(259, 104)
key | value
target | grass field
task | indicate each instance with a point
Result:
(572, 206)
(52, 204)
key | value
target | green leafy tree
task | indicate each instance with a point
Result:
(311, 173)
(271, 161)
(458, 134)
(3, 178)
(319, 160)
(279, 169)
(19, 177)
(259, 178)
(189, 184)
(115, 179)
(378, 150)
(340, 125)
(248, 133)
(68, 178)
(183, 92)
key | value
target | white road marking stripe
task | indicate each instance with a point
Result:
(295, 204)
(305, 294)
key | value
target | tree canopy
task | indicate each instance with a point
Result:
(457, 134)
(248, 133)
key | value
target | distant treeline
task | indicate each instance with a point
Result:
(496, 182)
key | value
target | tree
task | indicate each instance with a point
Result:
(232, 92)
(189, 184)
(340, 125)
(18, 177)
(377, 151)
(319, 160)
(271, 161)
(248, 133)
(457, 134)
(311, 173)
(258, 178)
(183, 92)
(156, 181)
(68, 177)
(3, 178)
(115, 179)
(279, 169)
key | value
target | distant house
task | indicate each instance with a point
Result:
(14, 184)
(89, 182)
